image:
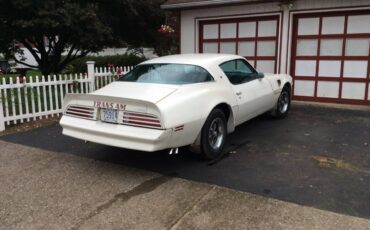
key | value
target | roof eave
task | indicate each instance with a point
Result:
(201, 4)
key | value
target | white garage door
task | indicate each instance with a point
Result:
(331, 56)
(254, 38)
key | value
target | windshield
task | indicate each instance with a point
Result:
(176, 74)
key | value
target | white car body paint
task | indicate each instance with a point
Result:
(181, 109)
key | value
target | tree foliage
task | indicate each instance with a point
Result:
(57, 32)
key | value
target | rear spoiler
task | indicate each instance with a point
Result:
(100, 101)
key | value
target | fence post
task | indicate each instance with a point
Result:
(91, 74)
(2, 122)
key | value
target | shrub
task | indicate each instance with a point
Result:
(79, 65)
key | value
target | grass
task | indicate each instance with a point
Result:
(30, 73)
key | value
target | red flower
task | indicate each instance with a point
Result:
(166, 29)
(21, 78)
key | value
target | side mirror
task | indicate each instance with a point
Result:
(260, 75)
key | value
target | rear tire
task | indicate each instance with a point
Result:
(283, 104)
(213, 135)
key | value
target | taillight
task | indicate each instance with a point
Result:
(127, 117)
(81, 111)
(140, 119)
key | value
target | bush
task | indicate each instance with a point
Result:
(79, 65)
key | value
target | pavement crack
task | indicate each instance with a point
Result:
(145, 187)
(191, 207)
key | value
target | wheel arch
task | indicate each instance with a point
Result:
(230, 117)
(227, 110)
(288, 85)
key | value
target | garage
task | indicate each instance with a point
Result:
(323, 44)
(255, 38)
(330, 57)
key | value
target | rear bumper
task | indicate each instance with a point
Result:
(122, 136)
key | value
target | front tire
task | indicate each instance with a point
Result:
(283, 104)
(213, 135)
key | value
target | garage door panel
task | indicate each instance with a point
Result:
(210, 31)
(227, 47)
(307, 47)
(304, 88)
(329, 68)
(328, 89)
(267, 28)
(266, 66)
(253, 37)
(246, 49)
(305, 68)
(355, 69)
(266, 48)
(352, 90)
(358, 24)
(210, 47)
(357, 47)
(228, 30)
(247, 29)
(333, 25)
(331, 47)
(308, 26)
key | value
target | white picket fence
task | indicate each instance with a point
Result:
(22, 100)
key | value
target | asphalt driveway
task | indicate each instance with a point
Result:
(317, 157)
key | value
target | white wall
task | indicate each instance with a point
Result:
(148, 52)
(29, 59)
(320, 4)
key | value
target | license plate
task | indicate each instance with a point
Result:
(109, 115)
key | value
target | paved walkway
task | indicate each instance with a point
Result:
(48, 190)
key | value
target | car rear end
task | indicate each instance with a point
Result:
(114, 121)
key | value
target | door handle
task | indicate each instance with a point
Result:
(238, 93)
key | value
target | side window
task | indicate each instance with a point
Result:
(244, 67)
(238, 71)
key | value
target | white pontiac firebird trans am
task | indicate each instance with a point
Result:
(174, 101)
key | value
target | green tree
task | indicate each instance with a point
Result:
(57, 32)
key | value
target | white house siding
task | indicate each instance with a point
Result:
(29, 59)
(344, 90)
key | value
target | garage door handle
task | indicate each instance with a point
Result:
(238, 93)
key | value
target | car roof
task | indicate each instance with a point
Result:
(203, 60)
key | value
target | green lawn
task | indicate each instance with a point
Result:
(30, 73)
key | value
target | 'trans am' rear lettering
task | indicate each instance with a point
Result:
(109, 105)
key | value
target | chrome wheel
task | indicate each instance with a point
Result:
(216, 133)
(283, 103)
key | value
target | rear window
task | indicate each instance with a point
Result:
(176, 74)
